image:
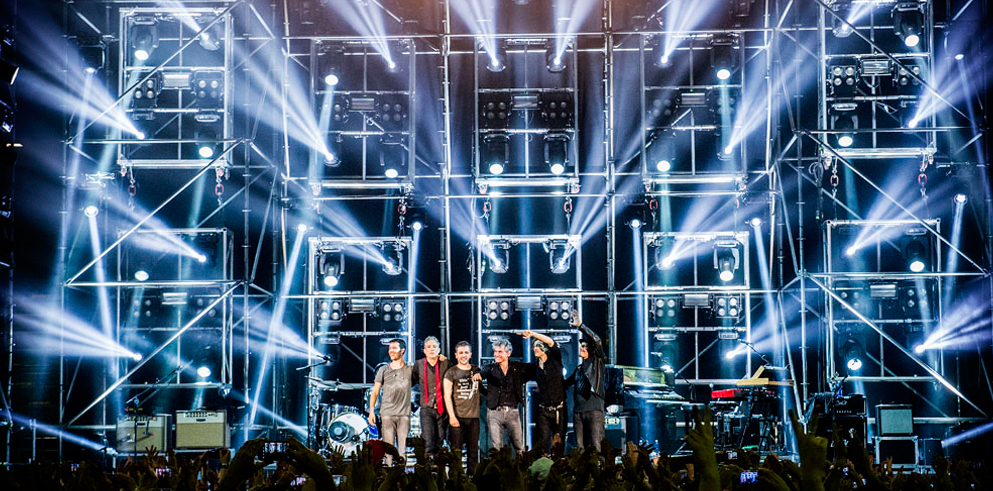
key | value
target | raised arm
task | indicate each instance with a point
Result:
(539, 336)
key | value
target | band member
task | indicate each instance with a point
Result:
(551, 390)
(504, 398)
(393, 379)
(588, 395)
(462, 403)
(427, 374)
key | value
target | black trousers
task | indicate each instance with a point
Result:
(433, 428)
(551, 422)
(468, 433)
(588, 424)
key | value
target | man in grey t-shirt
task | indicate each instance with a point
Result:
(393, 379)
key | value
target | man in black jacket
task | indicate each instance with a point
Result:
(588, 396)
(504, 379)
(547, 369)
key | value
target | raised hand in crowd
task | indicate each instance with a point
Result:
(700, 439)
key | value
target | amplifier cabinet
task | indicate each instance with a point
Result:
(202, 429)
(903, 450)
(137, 434)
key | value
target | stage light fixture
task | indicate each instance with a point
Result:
(495, 110)
(852, 353)
(331, 266)
(92, 52)
(844, 122)
(726, 260)
(495, 153)
(559, 255)
(330, 312)
(727, 306)
(554, 60)
(8, 72)
(91, 211)
(211, 39)
(207, 87)
(143, 36)
(756, 222)
(333, 157)
(145, 97)
(498, 58)
(392, 112)
(556, 109)
(141, 275)
(722, 55)
(902, 78)
(634, 215)
(329, 64)
(961, 199)
(557, 152)
(206, 136)
(659, 57)
(500, 260)
(843, 9)
(392, 157)
(302, 228)
(843, 77)
(393, 258)
(203, 371)
(663, 310)
(660, 152)
(392, 310)
(558, 311)
(497, 311)
(908, 22)
(916, 256)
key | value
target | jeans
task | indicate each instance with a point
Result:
(395, 429)
(589, 422)
(433, 426)
(505, 418)
(550, 422)
(468, 433)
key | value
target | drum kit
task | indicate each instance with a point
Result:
(342, 429)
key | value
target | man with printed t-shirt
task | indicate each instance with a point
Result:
(462, 402)
(393, 379)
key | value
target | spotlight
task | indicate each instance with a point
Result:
(329, 64)
(841, 29)
(210, 39)
(959, 57)
(726, 259)
(302, 227)
(722, 55)
(203, 371)
(417, 225)
(92, 53)
(961, 198)
(852, 353)
(663, 165)
(727, 306)
(91, 211)
(392, 310)
(660, 151)
(143, 36)
(497, 311)
(331, 311)
(331, 266)
(393, 258)
(392, 157)
(559, 255)
(919, 349)
(495, 110)
(554, 61)
(850, 251)
(500, 261)
(136, 356)
(635, 223)
(495, 153)
(206, 136)
(333, 156)
(915, 255)
(201, 258)
(659, 57)
(391, 173)
(556, 152)
(141, 275)
(145, 97)
(208, 88)
(558, 311)
(662, 309)
(556, 109)
(908, 22)
(634, 215)
(756, 222)
(845, 122)
(498, 58)
(843, 77)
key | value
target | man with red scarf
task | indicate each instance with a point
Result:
(428, 374)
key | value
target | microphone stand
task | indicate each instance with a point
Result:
(324, 359)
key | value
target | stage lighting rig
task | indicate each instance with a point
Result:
(902, 79)
(392, 112)
(392, 157)
(844, 77)
(207, 87)
(495, 110)
(554, 60)
(843, 8)
(330, 312)
(908, 22)
(328, 67)
(727, 258)
(559, 255)
(393, 258)
(663, 310)
(143, 36)
(852, 353)
(92, 52)
(330, 265)
(500, 260)
(916, 256)
(145, 97)
(728, 306)
(556, 109)
(497, 61)
(392, 311)
(844, 122)
(657, 46)
(211, 39)
(557, 152)
(497, 312)
(207, 134)
(722, 54)
(495, 153)
(661, 152)
(558, 310)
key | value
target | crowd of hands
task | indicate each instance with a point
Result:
(637, 469)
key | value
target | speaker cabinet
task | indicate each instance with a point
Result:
(141, 433)
(202, 429)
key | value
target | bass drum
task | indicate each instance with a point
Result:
(347, 431)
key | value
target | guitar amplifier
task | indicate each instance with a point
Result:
(140, 433)
(202, 429)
